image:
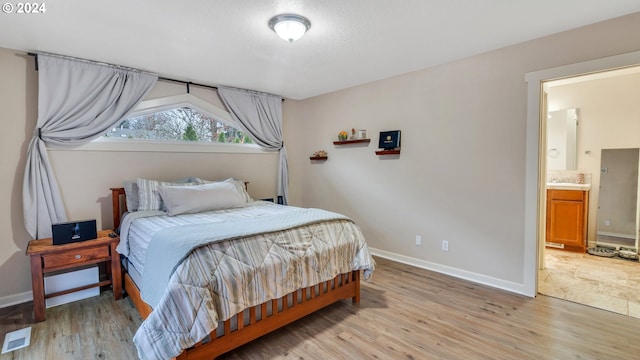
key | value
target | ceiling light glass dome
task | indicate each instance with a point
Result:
(289, 27)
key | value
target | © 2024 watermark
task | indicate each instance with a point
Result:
(24, 8)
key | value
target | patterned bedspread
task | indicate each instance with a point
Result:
(223, 278)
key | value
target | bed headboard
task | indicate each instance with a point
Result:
(119, 203)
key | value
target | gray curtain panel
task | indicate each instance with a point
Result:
(78, 101)
(260, 115)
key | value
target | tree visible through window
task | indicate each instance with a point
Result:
(179, 124)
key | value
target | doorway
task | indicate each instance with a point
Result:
(600, 282)
(534, 195)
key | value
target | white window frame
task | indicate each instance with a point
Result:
(105, 143)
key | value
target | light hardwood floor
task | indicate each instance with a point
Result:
(405, 313)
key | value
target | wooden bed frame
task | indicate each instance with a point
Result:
(262, 319)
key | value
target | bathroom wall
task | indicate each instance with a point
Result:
(609, 118)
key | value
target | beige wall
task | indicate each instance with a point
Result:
(18, 109)
(460, 176)
(609, 113)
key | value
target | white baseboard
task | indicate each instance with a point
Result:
(20, 298)
(443, 269)
(451, 271)
(60, 282)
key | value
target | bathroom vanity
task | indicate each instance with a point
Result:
(567, 214)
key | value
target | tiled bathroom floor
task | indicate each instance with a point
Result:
(607, 283)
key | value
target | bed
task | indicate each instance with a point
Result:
(202, 306)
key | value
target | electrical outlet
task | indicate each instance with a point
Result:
(445, 245)
(418, 240)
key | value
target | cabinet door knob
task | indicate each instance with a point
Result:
(78, 256)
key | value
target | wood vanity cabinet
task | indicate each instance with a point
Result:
(567, 212)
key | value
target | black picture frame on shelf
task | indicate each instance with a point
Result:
(389, 140)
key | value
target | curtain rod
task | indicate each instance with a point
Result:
(188, 83)
(35, 56)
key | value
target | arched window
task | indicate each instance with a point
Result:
(181, 123)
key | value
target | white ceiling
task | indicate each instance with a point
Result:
(351, 42)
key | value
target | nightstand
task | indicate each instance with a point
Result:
(46, 258)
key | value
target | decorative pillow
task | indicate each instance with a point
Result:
(148, 197)
(239, 184)
(199, 198)
(131, 190)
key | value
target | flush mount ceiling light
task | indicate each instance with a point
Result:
(290, 27)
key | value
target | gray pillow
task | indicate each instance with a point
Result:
(131, 191)
(148, 197)
(200, 198)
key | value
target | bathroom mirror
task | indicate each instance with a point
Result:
(562, 139)
(618, 198)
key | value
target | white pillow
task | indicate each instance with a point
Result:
(199, 198)
(239, 184)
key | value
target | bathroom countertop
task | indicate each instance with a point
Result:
(568, 186)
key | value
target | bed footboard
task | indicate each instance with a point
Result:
(277, 313)
(264, 318)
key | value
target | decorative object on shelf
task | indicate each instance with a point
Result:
(353, 134)
(342, 136)
(389, 143)
(389, 140)
(362, 134)
(319, 155)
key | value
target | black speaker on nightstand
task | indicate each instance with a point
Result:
(73, 231)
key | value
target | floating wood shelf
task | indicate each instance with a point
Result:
(357, 141)
(388, 152)
(318, 158)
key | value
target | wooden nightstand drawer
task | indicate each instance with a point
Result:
(76, 256)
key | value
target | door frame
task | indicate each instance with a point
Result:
(535, 177)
